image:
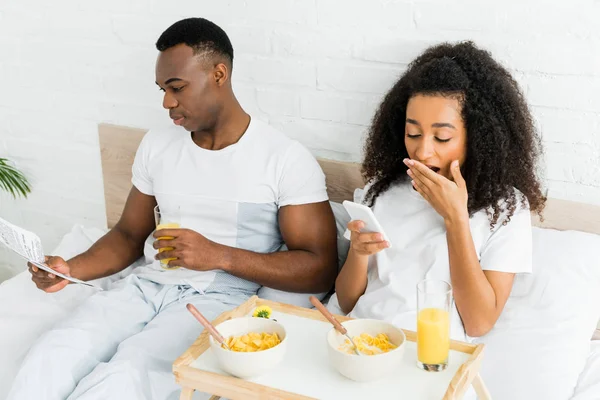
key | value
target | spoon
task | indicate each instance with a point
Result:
(336, 324)
(207, 325)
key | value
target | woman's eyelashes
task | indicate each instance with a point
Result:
(408, 135)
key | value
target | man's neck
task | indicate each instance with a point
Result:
(228, 130)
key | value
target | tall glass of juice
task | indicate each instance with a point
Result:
(167, 219)
(434, 302)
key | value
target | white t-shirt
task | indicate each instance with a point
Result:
(420, 251)
(231, 196)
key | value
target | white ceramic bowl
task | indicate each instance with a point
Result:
(248, 365)
(365, 368)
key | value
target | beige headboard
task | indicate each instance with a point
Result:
(118, 145)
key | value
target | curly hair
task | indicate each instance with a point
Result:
(503, 146)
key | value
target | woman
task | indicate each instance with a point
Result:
(450, 163)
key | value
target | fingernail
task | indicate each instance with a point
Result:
(51, 276)
(412, 182)
(34, 269)
(409, 172)
(379, 237)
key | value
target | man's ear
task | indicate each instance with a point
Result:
(221, 74)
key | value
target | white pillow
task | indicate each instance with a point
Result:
(540, 344)
(588, 387)
(26, 312)
(79, 240)
(301, 299)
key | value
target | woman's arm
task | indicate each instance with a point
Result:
(480, 295)
(351, 283)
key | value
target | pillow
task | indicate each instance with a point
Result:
(541, 342)
(588, 387)
(341, 222)
(79, 240)
(301, 299)
(26, 312)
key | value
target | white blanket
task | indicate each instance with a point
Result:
(26, 312)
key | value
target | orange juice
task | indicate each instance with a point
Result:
(168, 225)
(433, 336)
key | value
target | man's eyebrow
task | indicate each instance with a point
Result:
(170, 81)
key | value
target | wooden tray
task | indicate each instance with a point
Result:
(301, 370)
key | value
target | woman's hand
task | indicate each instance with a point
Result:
(448, 198)
(365, 244)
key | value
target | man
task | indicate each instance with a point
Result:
(241, 188)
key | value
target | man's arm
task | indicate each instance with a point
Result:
(310, 265)
(122, 245)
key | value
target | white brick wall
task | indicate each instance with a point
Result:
(314, 68)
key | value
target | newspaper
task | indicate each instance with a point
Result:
(29, 246)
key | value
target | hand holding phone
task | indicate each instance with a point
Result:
(363, 213)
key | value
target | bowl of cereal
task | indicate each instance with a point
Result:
(257, 345)
(380, 343)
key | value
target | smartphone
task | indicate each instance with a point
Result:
(365, 214)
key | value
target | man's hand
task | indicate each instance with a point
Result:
(191, 250)
(46, 281)
(448, 198)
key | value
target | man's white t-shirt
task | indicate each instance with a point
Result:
(231, 196)
(420, 251)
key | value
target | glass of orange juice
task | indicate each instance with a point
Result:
(434, 301)
(167, 219)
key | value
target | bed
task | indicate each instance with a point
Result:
(539, 349)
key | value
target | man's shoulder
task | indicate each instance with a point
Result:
(272, 138)
(277, 143)
(161, 135)
(165, 132)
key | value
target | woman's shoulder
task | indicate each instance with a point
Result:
(513, 210)
(395, 191)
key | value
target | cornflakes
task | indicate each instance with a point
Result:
(252, 342)
(368, 344)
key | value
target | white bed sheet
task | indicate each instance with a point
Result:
(25, 313)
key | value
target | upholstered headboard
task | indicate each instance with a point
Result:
(118, 145)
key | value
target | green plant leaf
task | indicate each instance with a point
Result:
(12, 180)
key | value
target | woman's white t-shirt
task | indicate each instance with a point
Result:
(420, 251)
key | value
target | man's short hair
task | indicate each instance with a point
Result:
(202, 35)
